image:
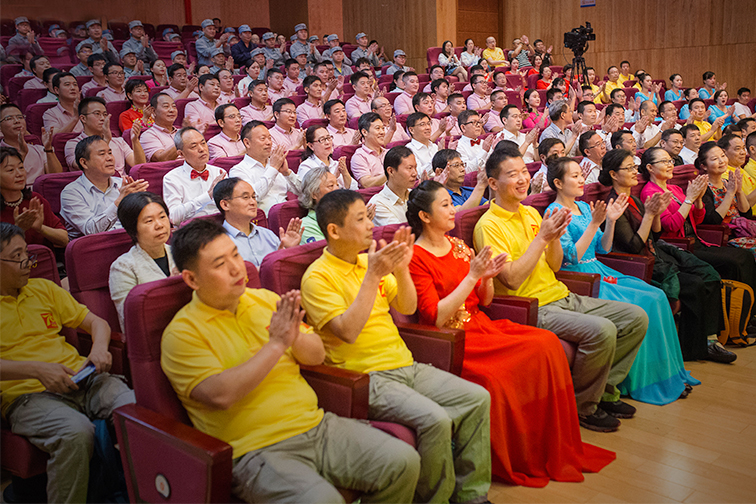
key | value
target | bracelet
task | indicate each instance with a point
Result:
(689, 202)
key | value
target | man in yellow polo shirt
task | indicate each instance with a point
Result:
(232, 355)
(607, 333)
(610, 85)
(735, 149)
(750, 167)
(697, 117)
(494, 55)
(347, 295)
(42, 397)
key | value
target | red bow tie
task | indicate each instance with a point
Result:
(475, 142)
(204, 175)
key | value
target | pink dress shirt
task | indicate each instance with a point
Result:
(174, 93)
(403, 104)
(440, 106)
(308, 111)
(475, 102)
(494, 121)
(155, 139)
(222, 146)
(277, 95)
(341, 138)
(201, 113)
(35, 83)
(367, 163)
(252, 113)
(356, 106)
(111, 95)
(226, 98)
(291, 86)
(118, 145)
(291, 140)
(58, 117)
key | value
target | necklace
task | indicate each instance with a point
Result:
(14, 204)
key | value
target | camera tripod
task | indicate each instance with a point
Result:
(578, 69)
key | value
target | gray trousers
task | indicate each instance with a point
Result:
(338, 451)
(61, 425)
(608, 335)
(451, 418)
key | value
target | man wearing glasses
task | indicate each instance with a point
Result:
(592, 148)
(401, 174)
(93, 114)
(672, 142)
(115, 76)
(511, 119)
(38, 159)
(420, 128)
(474, 151)
(42, 398)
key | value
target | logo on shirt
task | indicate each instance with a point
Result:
(49, 320)
(382, 288)
(536, 227)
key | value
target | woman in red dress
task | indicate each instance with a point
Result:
(535, 435)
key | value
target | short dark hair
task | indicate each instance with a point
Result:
(751, 140)
(708, 75)
(175, 68)
(94, 58)
(86, 102)
(33, 62)
(309, 80)
(500, 154)
(188, 240)
(731, 129)
(327, 106)
(551, 92)
(361, 61)
(623, 62)
(688, 91)
(220, 110)
(366, 120)
(356, 76)
(743, 123)
(279, 104)
(688, 128)
(506, 110)
(612, 107)
(437, 83)
(154, 99)
(289, 62)
(615, 92)
(664, 104)
(83, 148)
(208, 77)
(475, 78)
(334, 207)
(696, 100)
(109, 65)
(249, 127)
(557, 169)
(442, 158)
(394, 158)
(255, 83)
(584, 140)
(582, 105)
(50, 72)
(465, 115)
(8, 231)
(453, 97)
(272, 71)
(612, 161)
(724, 142)
(421, 199)
(547, 144)
(617, 137)
(131, 86)
(435, 66)
(420, 96)
(224, 190)
(132, 205)
(58, 76)
(743, 90)
(669, 132)
(407, 75)
(414, 117)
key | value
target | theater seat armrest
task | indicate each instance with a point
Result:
(716, 234)
(340, 391)
(584, 284)
(443, 348)
(160, 454)
(523, 310)
(685, 243)
(639, 266)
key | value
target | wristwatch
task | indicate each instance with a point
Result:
(688, 201)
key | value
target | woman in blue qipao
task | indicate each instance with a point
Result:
(658, 375)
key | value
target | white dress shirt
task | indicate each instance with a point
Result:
(423, 155)
(269, 185)
(133, 268)
(590, 170)
(88, 210)
(519, 139)
(188, 197)
(313, 162)
(650, 132)
(473, 155)
(389, 207)
(688, 156)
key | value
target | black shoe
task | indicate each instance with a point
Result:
(600, 422)
(618, 409)
(718, 353)
(687, 391)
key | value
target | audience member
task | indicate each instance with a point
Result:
(614, 331)
(181, 87)
(37, 65)
(420, 126)
(480, 97)
(624, 139)
(471, 54)
(89, 204)
(264, 166)
(228, 142)
(440, 88)
(157, 142)
(115, 77)
(28, 210)
(64, 117)
(39, 398)
(241, 50)
(741, 110)
(548, 150)
(710, 86)
(258, 109)
(312, 107)
(138, 95)
(200, 113)
(25, 39)
(675, 92)
(318, 153)
(83, 52)
(359, 103)
(691, 142)
(336, 114)
(535, 117)
(561, 119)
(131, 65)
(188, 189)
(275, 54)
(159, 73)
(471, 148)
(95, 120)
(289, 426)
(672, 142)
(393, 131)
(390, 202)
(38, 159)
(226, 82)
(144, 216)
(315, 184)
(709, 131)
(452, 170)
(366, 50)
(423, 103)
(494, 55)
(592, 148)
(403, 102)
(47, 78)
(207, 42)
(493, 123)
(511, 118)
(285, 133)
(400, 60)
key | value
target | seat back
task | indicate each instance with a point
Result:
(27, 97)
(431, 55)
(47, 266)
(369, 192)
(50, 185)
(226, 163)
(682, 175)
(346, 151)
(315, 122)
(93, 91)
(149, 308)
(180, 106)
(594, 192)
(88, 261)
(59, 144)
(540, 201)
(464, 223)
(7, 72)
(164, 49)
(282, 270)
(115, 109)
(153, 173)
(280, 214)
(34, 114)
(513, 98)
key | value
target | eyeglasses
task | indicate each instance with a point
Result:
(595, 145)
(29, 262)
(423, 124)
(288, 112)
(17, 117)
(325, 139)
(479, 123)
(244, 197)
(633, 168)
(232, 117)
(461, 164)
(664, 162)
(116, 73)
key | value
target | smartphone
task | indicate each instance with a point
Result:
(83, 373)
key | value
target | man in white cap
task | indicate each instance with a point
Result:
(25, 38)
(83, 52)
(179, 57)
(333, 41)
(167, 34)
(218, 59)
(340, 68)
(400, 58)
(131, 65)
(301, 45)
(277, 54)
(206, 43)
(100, 45)
(139, 43)
(364, 51)
(241, 51)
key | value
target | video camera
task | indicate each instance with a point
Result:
(577, 39)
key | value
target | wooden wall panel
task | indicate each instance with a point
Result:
(169, 11)
(478, 19)
(661, 37)
(326, 17)
(284, 15)
(232, 13)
